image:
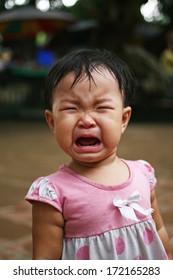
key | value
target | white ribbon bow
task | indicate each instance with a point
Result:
(127, 206)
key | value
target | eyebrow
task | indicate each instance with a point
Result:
(103, 100)
(75, 101)
(71, 100)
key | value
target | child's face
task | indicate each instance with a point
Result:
(89, 118)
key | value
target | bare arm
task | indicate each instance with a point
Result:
(47, 231)
(160, 226)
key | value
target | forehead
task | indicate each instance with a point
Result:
(97, 78)
(101, 86)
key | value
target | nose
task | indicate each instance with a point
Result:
(86, 121)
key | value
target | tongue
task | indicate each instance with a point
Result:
(90, 141)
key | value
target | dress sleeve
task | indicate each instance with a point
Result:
(43, 190)
(150, 173)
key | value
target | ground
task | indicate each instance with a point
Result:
(28, 150)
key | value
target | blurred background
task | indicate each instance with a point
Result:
(33, 34)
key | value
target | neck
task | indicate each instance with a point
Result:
(112, 172)
(78, 165)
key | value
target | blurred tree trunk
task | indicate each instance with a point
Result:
(117, 20)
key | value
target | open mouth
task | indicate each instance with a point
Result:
(88, 142)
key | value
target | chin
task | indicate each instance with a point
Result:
(90, 159)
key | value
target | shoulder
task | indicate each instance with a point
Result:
(47, 189)
(43, 187)
(141, 164)
(146, 166)
(146, 169)
(51, 180)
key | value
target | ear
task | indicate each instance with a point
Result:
(49, 119)
(126, 117)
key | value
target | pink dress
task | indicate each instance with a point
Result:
(103, 222)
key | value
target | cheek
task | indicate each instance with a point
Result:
(64, 132)
(112, 123)
(111, 132)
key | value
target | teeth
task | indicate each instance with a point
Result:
(87, 141)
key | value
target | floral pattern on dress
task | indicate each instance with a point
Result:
(44, 189)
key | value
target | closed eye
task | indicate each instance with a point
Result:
(104, 108)
(68, 109)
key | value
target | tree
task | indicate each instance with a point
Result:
(116, 28)
(116, 19)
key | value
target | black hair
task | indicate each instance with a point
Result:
(84, 61)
